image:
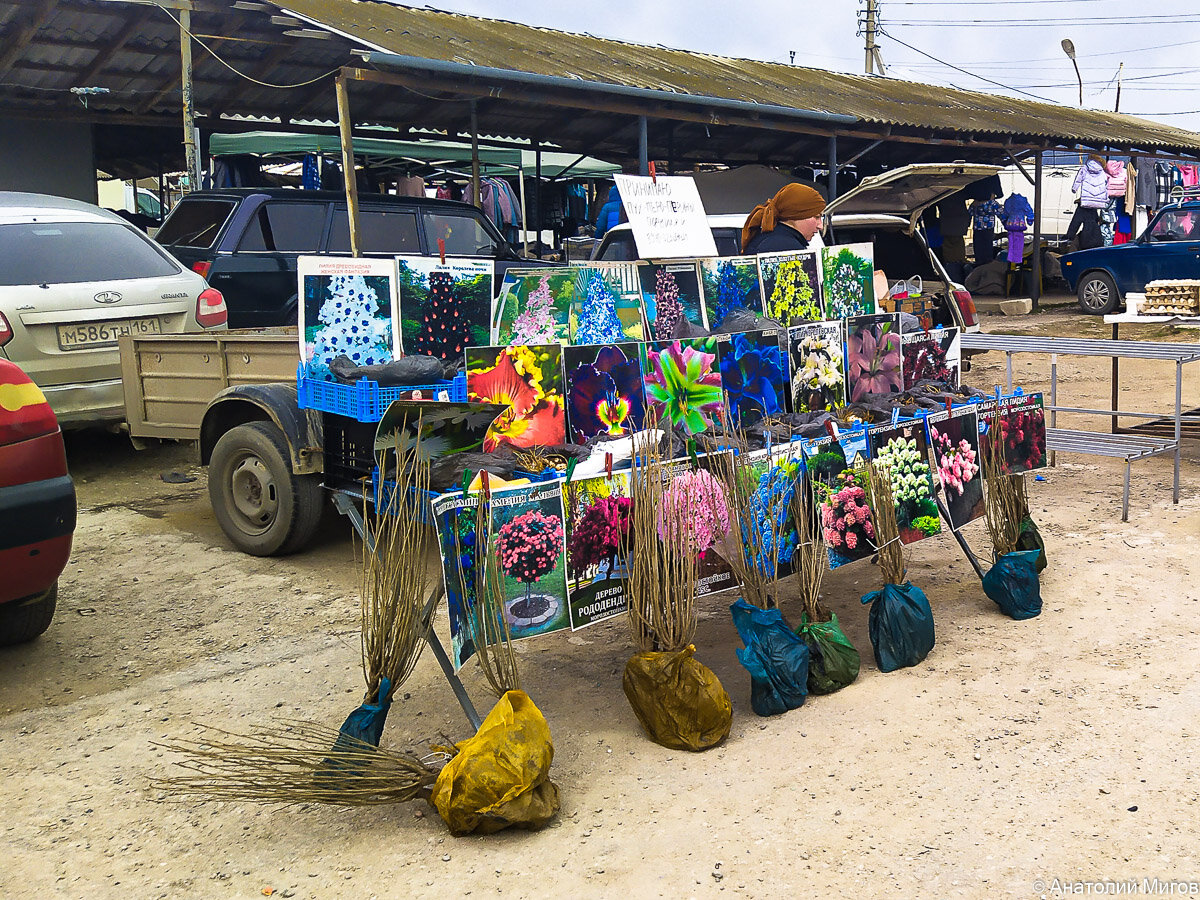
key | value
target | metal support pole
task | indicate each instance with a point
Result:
(833, 167)
(191, 151)
(971, 558)
(476, 195)
(537, 197)
(1053, 396)
(643, 146)
(1035, 291)
(671, 149)
(1008, 374)
(524, 220)
(1178, 423)
(1115, 380)
(349, 179)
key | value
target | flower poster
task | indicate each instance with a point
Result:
(753, 376)
(597, 521)
(529, 381)
(873, 358)
(1020, 423)
(954, 436)
(774, 476)
(728, 284)
(671, 294)
(791, 287)
(347, 309)
(903, 452)
(444, 308)
(837, 470)
(818, 367)
(454, 516)
(683, 383)
(931, 355)
(606, 307)
(848, 280)
(534, 306)
(694, 513)
(605, 391)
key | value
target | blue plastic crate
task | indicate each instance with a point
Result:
(365, 400)
(420, 504)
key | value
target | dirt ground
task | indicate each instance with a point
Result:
(1018, 760)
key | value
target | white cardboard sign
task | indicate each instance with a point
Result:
(667, 216)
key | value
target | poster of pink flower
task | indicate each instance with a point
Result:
(954, 436)
(873, 358)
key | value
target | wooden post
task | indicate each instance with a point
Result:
(349, 179)
(191, 151)
(643, 146)
(833, 167)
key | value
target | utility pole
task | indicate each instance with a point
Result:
(191, 151)
(1120, 69)
(870, 35)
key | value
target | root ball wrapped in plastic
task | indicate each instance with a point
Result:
(678, 701)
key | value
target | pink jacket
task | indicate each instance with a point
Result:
(1117, 179)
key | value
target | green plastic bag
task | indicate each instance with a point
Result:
(1031, 539)
(832, 660)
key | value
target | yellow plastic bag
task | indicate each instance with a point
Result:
(501, 776)
(678, 700)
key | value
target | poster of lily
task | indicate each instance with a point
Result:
(902, 451)
(791, 286)
(727, 284)
(529, 381)
(1020, 424)
(347, 309)
(848, 280)
(683, 383)
(445, 307)
(606, 307)
(597, 521)
(818, 366)
(605, 390)
(753, 376)
(534, 306)
(671, 299)
(838, 473)
(954, 436)
(873, 356)
(931, 356)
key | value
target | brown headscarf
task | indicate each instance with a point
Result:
(794, 201)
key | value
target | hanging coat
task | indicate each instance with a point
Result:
(1117, 179)
(1091, 183)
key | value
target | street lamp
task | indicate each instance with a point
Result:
(1069, 49)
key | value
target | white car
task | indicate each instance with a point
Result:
(73, 279)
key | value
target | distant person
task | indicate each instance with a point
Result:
(610, 213)
(788, 221)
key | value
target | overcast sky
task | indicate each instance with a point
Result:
(1014, 43)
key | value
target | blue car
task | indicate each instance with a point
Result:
(1169, 248)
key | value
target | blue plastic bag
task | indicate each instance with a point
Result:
(1012, 583)
(775, 656)
(900, 625)
(366, 723)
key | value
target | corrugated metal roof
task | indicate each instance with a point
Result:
(873, 99)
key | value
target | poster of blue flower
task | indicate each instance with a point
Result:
(347, 309)
(670, 295)
(445, 307)
(728, 284)
(769, 537)
(848, 280)
(753, 376)
(607, 306)
(605, 390)
(818, 367)
(791, 286)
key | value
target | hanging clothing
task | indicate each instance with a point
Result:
(1108, 222)
(1163, 179)
(1017, 212)
(985, 246)
(1146, 193)
(983, 215)
(1091, 183)
(1085, 223)
(1120, 238)
(1016, 244)
(1189, 175)
(1117, 179)
(412, 186)
(310, 174)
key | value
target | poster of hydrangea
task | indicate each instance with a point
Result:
(775, 476)
(817, 366)
(683, 383)
(606, 307)
(1020, 423)
(791, 287)
(347, 310)
(445, 308)
(848, 280)
(728, 284)
(529, 381)
(529, 540)
(597, 521)
(534, 306)
(605, 390)
(873, 358)
(931, 355)
(671, 295)
(753, 376)
(954, 436)
(903, 452)
(837, 472)
(694, 513)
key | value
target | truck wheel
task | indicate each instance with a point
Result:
(1097, 294)
(23, 620)
(261, 506)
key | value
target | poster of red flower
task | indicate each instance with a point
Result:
(1020, 422)
(931, 356)
(597, 521)
(529, 380)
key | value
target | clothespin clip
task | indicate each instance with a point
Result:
(608, 463)
(653, 174)
(831, 427)
(949, 405)
(442, 249)
(466, 482)
(485, 483)
(895, 414)
(571, 463)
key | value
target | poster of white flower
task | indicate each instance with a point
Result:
(347, 308)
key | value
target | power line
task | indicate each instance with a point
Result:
(964, 71)
(1183, 19)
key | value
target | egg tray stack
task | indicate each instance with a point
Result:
(1178, 297)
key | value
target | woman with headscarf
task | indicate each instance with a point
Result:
(787, 221)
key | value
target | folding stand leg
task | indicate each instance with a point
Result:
(1125, 498)
(971, 558)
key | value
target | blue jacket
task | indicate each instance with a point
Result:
(610, 213)
(1017, 212)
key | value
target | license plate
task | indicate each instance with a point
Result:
(87, 335)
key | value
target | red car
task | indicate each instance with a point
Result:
(37, 507)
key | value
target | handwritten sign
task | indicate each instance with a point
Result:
(666, 216)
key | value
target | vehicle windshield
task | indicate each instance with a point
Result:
(75, 252)
(195, 223)
(1176, 225)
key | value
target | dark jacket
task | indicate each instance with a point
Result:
(781, 240)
